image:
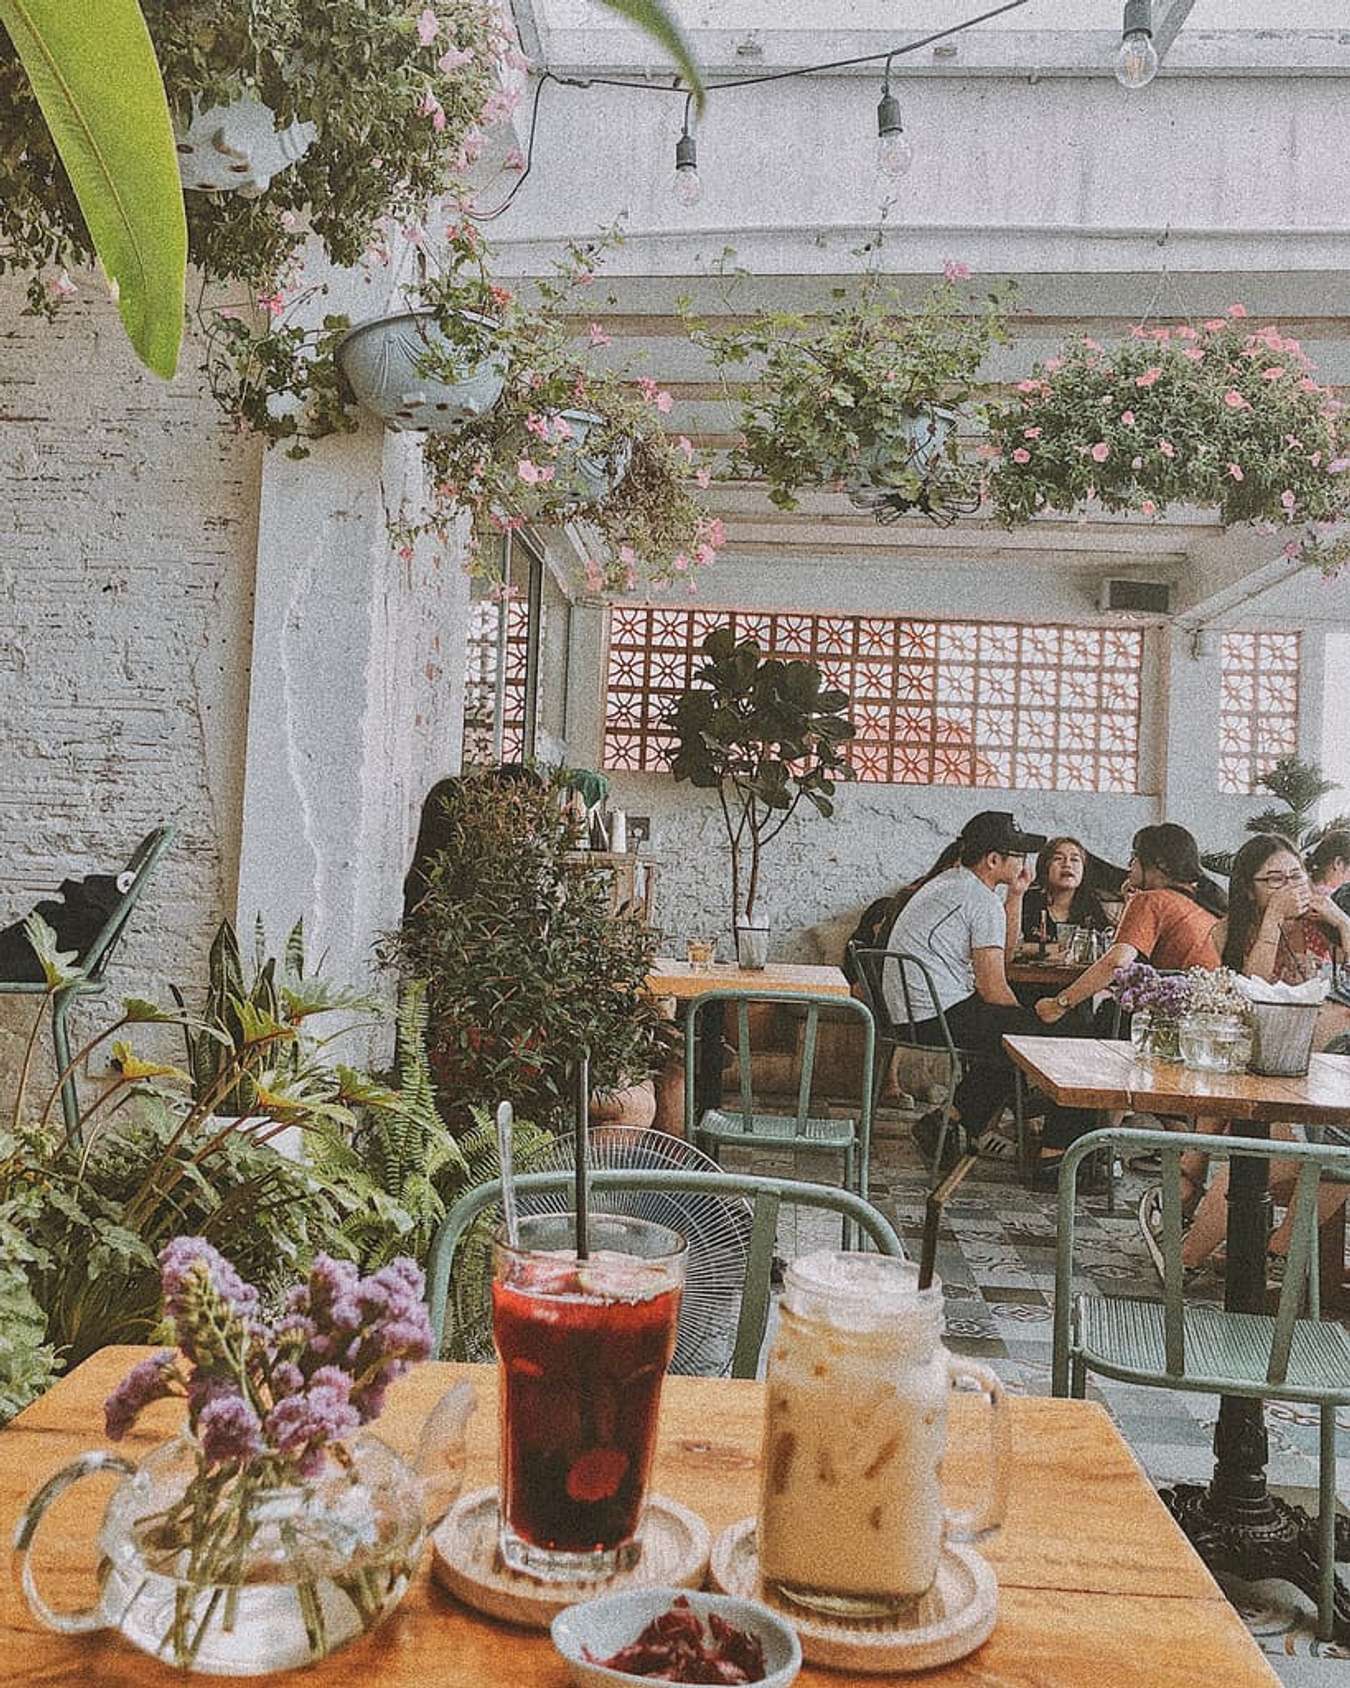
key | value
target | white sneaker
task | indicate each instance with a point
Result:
(993, 1145)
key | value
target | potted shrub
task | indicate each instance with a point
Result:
(1222, 415)
(525, 962)
(766, 736)
(1298, 788)
(863, 399)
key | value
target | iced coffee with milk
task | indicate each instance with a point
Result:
(851, 1509)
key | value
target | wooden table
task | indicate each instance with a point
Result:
(677, 979)
(1097, 1582)
(1044, 970)
(1234, 1521)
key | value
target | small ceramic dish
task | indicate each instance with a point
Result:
(602, 1626)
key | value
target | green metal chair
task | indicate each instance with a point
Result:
(94, 965)
(850, 1139)
(765, 1195)
(1204, 1349)
(911, 975)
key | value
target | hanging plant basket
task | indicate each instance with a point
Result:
(1222, 416)
(239, 148)
(864, 400)
(413, 374)
(580, 477)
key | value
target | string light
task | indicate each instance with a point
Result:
(894, 153)
(676, 87)
(1137, 60)
(688, 187)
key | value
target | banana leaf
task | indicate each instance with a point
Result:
(93, 69)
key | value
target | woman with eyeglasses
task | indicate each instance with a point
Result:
(1277, 928)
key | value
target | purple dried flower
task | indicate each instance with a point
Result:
(190, 1263)
(229, 1431)
(286, 1379)
(148, 1380)
(301, 1426)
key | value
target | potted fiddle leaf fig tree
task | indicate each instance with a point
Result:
(767, 736)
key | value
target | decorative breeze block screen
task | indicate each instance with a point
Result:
(935, 702)
(480, 681)
(1258, 706)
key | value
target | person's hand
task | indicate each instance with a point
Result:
(1288, 903)
(1018, 887)
(1048, 1011)
(1330, 913)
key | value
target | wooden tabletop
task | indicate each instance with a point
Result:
(669, 977)
(1044, 970)
(1083, 1072)
(1096, 1581)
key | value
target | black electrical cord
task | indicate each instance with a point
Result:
(677, 87)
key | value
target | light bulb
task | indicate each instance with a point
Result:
(688, 187)
(894, 153)
(1137, 60)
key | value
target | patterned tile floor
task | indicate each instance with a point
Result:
(996, 1259)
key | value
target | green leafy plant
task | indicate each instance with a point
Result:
(766, 736)
(1220, 415)
(861, 398)
(223, 1035)
(1298, 788)
(81, 84)
(526, 963)
(28, 1362)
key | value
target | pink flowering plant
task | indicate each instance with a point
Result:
(571, 438)
(401, 97)
(273, 1405)
(836, 399)
(1223, 415)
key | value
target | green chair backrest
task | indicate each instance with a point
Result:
(766, 1196)
(142, 863)
(918, 993)
(812, 1004)
(1301, 1274)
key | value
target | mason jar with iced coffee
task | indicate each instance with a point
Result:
(852, 1517)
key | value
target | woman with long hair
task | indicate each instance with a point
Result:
(1272, 910)
(1328, 862)
(1060, 894)
(1172, 910)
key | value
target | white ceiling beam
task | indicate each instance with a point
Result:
(534, 41)
(728, 54)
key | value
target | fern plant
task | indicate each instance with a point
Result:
(401, 1168)
(1298, 787)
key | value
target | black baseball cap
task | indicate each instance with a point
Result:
(995, 829)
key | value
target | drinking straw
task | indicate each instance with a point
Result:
(505, 1117)
(582, 1150)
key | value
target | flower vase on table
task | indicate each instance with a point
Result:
(1156, 1001)
(275, 1527)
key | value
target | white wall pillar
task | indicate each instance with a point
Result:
(356, 699)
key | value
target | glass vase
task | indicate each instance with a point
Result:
(1216, 1043)
(1164, 1039)
(237, 1572)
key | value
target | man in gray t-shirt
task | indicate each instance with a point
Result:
(963, 932)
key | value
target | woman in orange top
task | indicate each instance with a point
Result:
(1169, 920)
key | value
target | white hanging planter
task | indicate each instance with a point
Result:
(915, 451)
(383, 359)
(579, 477)
(238, 148)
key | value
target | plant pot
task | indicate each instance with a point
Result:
(383, 362)
(892, 467)
(579, 477)
(669, 1115)
(633, 1107)
(1282, 1037)
(238, 148)
(752, 945)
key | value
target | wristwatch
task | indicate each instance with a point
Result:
(1062, 1002)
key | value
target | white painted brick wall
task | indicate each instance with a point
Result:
(127, 536)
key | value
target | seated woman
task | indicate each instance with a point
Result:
(1328, 869)
(1171, 912)
(1273, 914)
(1060, 894)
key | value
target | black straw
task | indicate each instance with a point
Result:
(582, 1146)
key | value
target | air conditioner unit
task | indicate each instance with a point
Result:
(1136, 597)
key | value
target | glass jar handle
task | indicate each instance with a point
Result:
(975, 1522)
(25, 1533)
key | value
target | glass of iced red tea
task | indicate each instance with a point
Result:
(584, 1346)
